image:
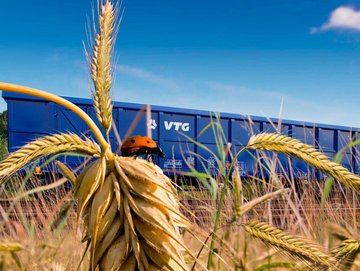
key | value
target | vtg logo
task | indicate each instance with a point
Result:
(152, 124)
(183, 126)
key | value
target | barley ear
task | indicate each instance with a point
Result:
(293, 246)
(48, 145)
(131, 216)
(339, 232)
(345, 253)
(252, 203)
(307, 153)
(101, 65)
(66, 171)
(273, 265)
(10, 247)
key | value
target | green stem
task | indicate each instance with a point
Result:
(216, 223)
(56, 99)
(219, 209)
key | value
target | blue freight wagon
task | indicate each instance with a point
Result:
(30, 117)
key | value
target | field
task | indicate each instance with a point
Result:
(41, 223)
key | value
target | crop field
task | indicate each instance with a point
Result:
(40, 230)
(121, 212)
(274, 223)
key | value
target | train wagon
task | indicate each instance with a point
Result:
(30, 117)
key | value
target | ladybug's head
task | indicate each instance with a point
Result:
(160, 152)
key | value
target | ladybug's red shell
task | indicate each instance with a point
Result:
(138, 141)
(140, 145)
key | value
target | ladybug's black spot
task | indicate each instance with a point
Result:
(133, 141)
(148, 142)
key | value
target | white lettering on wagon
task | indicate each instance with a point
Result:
(183, 126)
(173, 163)
(191, 161)
(211, 162)
(152, 124)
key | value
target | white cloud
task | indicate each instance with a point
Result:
(167, 83)
(341, 18)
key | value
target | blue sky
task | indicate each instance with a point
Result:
(231, 56)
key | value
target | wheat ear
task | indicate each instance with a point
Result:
(10, 247)
(48, 145)
(101, 65)
(273, 265)
(345, 253)
(293, 147)
(66, 171)
(294, 246)
(131, 216)
(340, 232)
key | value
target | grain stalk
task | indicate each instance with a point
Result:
(10, 247)
(48, 145)
(100, 65)
(294, 246)
(293, 147)
(66, 171)
(9, 258)
(274, 265)
(345, 253)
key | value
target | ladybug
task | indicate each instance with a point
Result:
(141, 145)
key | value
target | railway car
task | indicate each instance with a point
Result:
(30, 117)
